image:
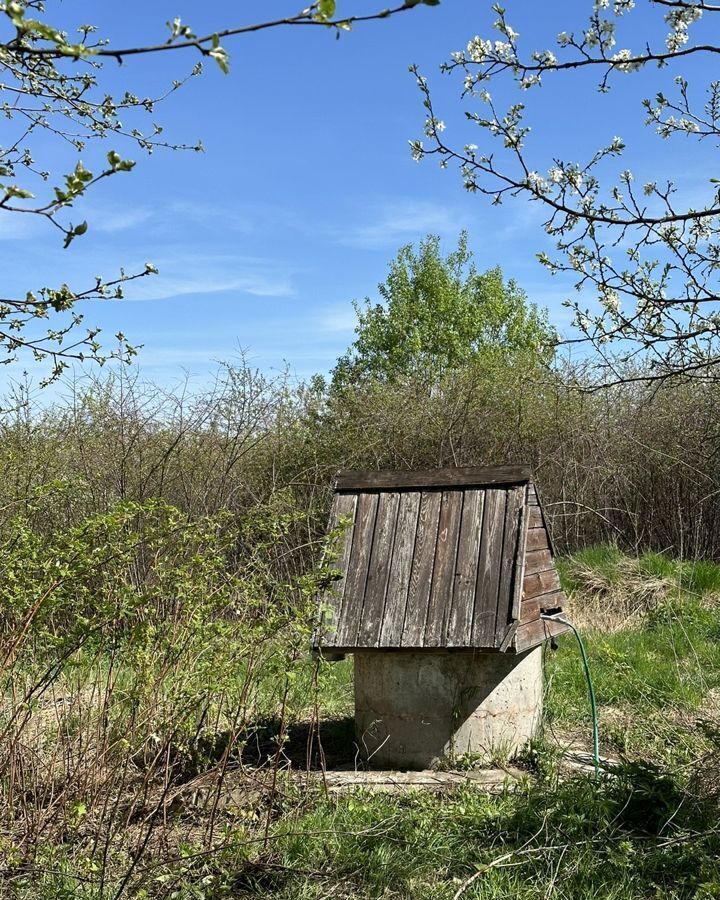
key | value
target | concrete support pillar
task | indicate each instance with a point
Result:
(415, 708)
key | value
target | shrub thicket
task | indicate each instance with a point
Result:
(634, 465)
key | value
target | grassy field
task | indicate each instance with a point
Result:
(241, 816)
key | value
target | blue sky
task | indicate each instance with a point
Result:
(306, 188)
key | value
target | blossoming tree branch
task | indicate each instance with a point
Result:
(646, 253)
(52, 84)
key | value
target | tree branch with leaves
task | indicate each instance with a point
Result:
(648, 256)
(52, 83)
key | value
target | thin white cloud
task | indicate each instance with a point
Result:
(166, 218)
(525, 218)
(19, 227)
(336, 320)
(212, 214)
(180, 277)
(403, 220)
(112, 221)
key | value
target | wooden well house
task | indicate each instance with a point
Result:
(443, 577)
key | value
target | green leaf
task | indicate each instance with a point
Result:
(16, 11)
(220, 55)
(118, 164)
(325, 10)
(15, 191)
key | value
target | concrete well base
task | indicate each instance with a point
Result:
(415, 708)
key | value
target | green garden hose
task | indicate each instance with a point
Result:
(557, 617)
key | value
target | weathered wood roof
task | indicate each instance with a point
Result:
(444, 558)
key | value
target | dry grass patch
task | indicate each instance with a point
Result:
(608, 598)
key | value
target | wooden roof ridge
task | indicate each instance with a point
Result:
(451, 477)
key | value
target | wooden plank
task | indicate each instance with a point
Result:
(453, 477)
(399, 580)
(535, 517)
(531, 609)
(330, 601)
(446, 551)
(460, 619)
(511, 533)
(422, 569)
(537, 539)
(357, 570)
(488, 579)
(540, 583)
(532, 497)
(509, 636)
(519, 565)
(378, 570)
(534, 633)
(538, 561)
(544, 521)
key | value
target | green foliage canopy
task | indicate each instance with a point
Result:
(440, 314)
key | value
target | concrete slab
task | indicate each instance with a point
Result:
(491, 780)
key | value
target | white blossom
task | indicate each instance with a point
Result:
(506, 29)
(479, 49)
(622, 60)
(591, 37)
(504, 51)
(688, 125)
(679, 19)
(416, 150)
(536, 183)
(528, 81)
(675, 40)
(610, 299)
(583, 323)
(432, 126)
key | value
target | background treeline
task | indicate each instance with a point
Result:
(635, 464)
